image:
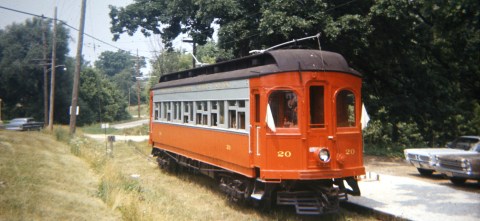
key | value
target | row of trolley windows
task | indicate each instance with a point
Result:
(283, 107)
(224, 114)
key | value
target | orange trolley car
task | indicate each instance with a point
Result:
(281, 126)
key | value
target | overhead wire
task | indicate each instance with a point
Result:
(106, 43)
(66, 24)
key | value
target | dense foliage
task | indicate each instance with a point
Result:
(100, 100)
(120, 67)
(420, 59)
(112, 63)
(21, 70)
(21, 78)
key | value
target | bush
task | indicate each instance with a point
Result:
(387, 139)
(62, 134)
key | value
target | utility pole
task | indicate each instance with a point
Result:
(1, 111)
(137, 70)
(76, 77)
(52, 80)
(45, 75)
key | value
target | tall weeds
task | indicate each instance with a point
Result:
(139, 191)
(116, 189)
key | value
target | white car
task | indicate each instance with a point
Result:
(424, 159)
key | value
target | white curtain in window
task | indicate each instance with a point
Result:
(269, 120)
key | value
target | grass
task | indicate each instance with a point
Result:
(144, 110)
(42, 178)
(133, 184)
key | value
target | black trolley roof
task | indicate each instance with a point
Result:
(269, 62)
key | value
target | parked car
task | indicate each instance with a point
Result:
(23, 124)
(424, 158)
(461, 167)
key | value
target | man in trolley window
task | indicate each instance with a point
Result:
(283, 106)
(291, 110)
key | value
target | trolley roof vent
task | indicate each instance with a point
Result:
(269, 62)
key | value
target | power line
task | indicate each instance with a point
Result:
(22, 12)
(66, 24)
(106, 43)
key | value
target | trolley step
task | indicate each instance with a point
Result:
(305, 202)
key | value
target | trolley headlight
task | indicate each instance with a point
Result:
(324, 155)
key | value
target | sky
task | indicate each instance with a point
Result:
(97, 24)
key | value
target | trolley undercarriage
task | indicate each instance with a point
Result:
(310, 197)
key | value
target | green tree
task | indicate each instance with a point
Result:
(419, 58)
(99, 99)
(244, 25)
(121, 67)
(21, 72)
(210, 53)
(125, 82)
(112, 63)
(421, 66)
(177, 17)
(169, 61)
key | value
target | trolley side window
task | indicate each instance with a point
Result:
(236, 114)
(214, 112)
(345, 109)
(202, 113)
(221, 105)
(187, 112)
(169, 111)
(157, 111)
(226, 114)
(317, 107)
(283, 105)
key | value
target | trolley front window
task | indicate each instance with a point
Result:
(283, 105)
(317, 107)
(345, 109)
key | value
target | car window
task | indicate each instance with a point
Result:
(18, 121)
(476, 148)
(464, 143)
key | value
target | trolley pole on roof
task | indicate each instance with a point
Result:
(78, 62)
(194, 49)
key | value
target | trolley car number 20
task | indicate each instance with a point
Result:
(284, 154)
